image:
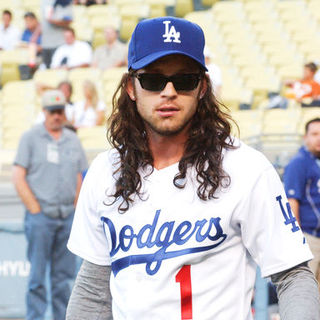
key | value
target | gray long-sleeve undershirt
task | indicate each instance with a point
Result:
(298, 294)
(91, 298)
(297, 291)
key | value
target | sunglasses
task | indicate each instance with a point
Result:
(157, 81)
(58, 111)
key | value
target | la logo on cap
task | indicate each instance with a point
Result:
(170, 35)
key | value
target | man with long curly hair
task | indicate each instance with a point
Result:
(179, 213)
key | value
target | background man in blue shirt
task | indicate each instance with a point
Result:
(302, 184)
(32, 31)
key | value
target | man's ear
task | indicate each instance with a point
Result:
(204, 86)
(130, 89)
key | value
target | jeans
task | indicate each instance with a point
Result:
(47, 239)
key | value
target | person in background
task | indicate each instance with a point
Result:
(302, 185)
(214, 73)
(89, 2)
(73, 53)
(89, 112)
(112, 54)
(31, 37)
(31, 32)
(9, 34)
(317, 74)
(306, 87)
(66, 88)
(47, 174)
(56, 15)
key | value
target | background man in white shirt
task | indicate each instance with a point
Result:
(9, 34)
(72, 54)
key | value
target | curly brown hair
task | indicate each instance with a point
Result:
(209, 134)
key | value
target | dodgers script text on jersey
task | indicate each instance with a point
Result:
(170, 248)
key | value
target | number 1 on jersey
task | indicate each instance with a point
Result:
(184, 278)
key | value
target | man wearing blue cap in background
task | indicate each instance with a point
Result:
(179, 213)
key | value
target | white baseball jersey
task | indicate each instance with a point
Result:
(174, 256)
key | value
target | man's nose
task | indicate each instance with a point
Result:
(169, 91)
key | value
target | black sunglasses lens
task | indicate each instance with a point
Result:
(59, 111)
(157, 82)
(152, 82)
(185, 82)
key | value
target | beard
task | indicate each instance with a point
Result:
(167, 132)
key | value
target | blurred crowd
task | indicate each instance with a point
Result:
(53, 44)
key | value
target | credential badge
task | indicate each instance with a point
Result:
(170, 35)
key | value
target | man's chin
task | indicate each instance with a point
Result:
(56, 128)
(316, 153)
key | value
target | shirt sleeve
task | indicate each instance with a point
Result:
(298, 294)
(269, 229)
(87, 238)
(295, 179)
(23, 155)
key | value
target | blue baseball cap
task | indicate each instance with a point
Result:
(155, 38)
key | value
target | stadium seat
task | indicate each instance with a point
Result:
(227, 6)
(120, 3)
(92, 74)
(290, 72)
(9, 72)
(50, 77)
(83, 31)
(314, 8)
(26, 90)
(111, 79)
(293, 5)
(30, 3)
(183, 7)
(19, 56)
(281, 122)
(80, 12)
(307, 115)
(280, 137)
(232, 96)
(157, 8)
(11, 136)
(285, 59)
(100, 22)
(102, 10)
(13, 126)
(208, 3)
(93, 138)
(249, 123)
(10, 61)
(13, 6)
(139, 10)
(98, 39)
(127, 26)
